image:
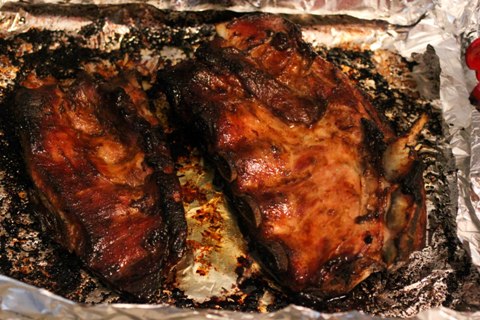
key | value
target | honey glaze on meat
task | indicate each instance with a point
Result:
(101, 168)
(327, 192)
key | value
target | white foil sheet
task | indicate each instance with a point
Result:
(446, 25)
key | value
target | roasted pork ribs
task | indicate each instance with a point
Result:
(104, 175)
(327, 193)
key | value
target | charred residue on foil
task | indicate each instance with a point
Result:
(220, 273)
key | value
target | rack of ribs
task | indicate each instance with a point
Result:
(104, 176)
(325, 191)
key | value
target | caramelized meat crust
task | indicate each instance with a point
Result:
(101, 167)
(327, 192)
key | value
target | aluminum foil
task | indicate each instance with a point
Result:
(447, 27)
(458, 25)
(394, 11)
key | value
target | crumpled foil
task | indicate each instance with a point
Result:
(394, 11)
(447, 27)
(458, 25)
(21, 301)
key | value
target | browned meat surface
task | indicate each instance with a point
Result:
(326, 190)
(102, 170)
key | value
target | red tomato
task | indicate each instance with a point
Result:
(477, 73)
(472, 56)
(475, 96)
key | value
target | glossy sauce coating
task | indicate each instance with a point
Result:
(304, 153)
(104, 174)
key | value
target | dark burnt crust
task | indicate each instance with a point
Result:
(374, 143)
(291, 108)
